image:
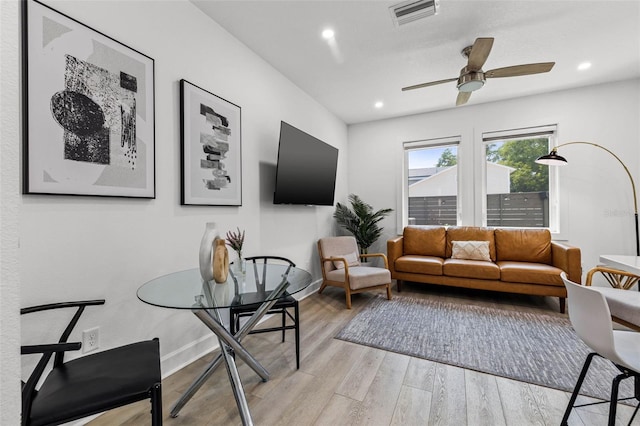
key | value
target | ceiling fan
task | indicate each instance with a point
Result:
(473, 78)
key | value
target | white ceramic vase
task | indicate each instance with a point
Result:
(206, 251)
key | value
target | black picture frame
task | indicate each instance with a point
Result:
(210, 148)
(88, 110)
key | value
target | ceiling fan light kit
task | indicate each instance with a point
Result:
(472, 77)
(470, 80)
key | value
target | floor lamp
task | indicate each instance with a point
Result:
(553, 159)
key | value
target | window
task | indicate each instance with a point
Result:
(489, 181)
(519, 192)
(431, 184)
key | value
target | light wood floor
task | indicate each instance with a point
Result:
(341, 383)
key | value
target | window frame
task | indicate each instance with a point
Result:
(448, 141)
(556, 221)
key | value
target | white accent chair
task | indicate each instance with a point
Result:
(591, 319)
(341, 267)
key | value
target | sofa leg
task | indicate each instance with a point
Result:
(562, 305)
(399, 285)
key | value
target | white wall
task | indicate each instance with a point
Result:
(594, 189)
(74, 248)
(9, 203)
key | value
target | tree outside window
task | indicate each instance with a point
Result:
(526, 203)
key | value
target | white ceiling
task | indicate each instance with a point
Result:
(373, 59)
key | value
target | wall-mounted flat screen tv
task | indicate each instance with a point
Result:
(306, 169)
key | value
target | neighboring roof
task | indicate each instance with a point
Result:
(440, 170)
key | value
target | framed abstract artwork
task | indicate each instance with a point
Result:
(89, 126)
(211, 148)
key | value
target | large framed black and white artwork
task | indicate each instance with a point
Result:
(89, 124)
(211, 148)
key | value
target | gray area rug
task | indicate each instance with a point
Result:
(530, 347)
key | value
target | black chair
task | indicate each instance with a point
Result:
(282, 306)
(90, 384)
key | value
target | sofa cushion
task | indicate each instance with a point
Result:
(470, 233)
(362, 276)
(424, 240)
(471, 269)
(530, 273)
(413, 264)
(524, 245)
(470, 250)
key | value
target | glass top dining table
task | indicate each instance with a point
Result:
(187, 290)
(260, 286)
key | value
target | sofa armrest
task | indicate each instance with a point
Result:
(567, 258)
(394, 251)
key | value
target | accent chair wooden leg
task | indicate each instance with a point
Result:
(347, 292)
(322, 286)
(562, 304)
(389, 291)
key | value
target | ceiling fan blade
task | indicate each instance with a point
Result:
(479, 53)
(518, 70)
(431, 83)
(463, 97)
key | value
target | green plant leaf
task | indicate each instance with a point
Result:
(361, 221)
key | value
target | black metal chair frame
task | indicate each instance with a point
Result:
(29, 391)
(613, 402)
(282, 307)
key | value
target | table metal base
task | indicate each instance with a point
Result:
(230, 346)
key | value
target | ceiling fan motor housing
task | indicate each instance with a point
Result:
(470, 81)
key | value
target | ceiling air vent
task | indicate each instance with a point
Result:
(412, 10)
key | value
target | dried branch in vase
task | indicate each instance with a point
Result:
(235, 240)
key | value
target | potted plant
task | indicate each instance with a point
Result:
(361, 221)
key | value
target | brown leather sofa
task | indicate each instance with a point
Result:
(522, 261)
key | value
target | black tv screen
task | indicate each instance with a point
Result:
(306, 169)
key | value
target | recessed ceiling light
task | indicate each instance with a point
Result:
(584, 66)
(379, 104)
(328, 34)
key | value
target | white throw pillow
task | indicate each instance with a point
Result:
(351, 258)
(470, 250)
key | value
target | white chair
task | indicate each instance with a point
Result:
(341, 267)
(591, 319)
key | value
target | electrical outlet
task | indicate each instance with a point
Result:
(90, 339)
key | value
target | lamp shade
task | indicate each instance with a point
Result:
(552, 159)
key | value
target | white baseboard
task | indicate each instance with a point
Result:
(187, 354)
